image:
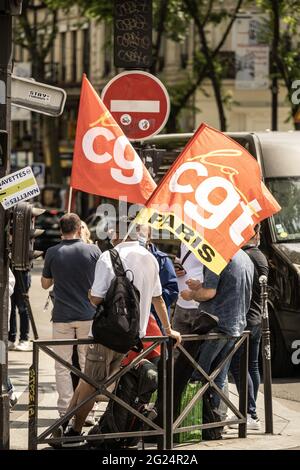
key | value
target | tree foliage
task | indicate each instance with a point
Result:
(37, 37)
(172, 19)
(285, 55)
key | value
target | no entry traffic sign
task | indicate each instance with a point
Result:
(139, 102)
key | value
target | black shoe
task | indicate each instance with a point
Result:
(56, 434)
(73, 443)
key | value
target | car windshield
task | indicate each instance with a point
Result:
(287, 221)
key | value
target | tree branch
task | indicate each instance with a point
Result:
(160, 31)
(228, 29)
(209, 9)
(51, 37)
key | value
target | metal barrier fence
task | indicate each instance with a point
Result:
(166, 428)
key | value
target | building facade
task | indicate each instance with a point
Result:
(85, 46)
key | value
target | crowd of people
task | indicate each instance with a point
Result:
(80, 275)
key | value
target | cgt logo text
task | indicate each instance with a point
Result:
(296, 353)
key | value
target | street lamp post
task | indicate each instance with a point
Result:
(5, 85)
(7, 9)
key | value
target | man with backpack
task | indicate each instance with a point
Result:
(167, 275)
(129, 260)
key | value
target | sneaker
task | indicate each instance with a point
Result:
(57, 434)
(13, 400)
(253, 423)
(70, 433)
(11, 345)
(24, 346)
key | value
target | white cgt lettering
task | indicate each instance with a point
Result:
(175, 187)
(118, 154)
(88, 144)
(135, 164)
(219, 212)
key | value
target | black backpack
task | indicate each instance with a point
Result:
(135, 388)
(117, 320)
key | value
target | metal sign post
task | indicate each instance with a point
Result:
(266, 356)
(5, 71)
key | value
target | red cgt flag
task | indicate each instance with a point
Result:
(104, 161)
(211, 198)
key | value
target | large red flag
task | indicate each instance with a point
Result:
(211, 198)
(104, 161)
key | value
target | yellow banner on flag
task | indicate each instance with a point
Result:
(211, 198)
(194, 241)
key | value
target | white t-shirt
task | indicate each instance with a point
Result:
(145, 271)
(194, 270)
(11, 287)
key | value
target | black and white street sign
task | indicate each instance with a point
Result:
(39, 97)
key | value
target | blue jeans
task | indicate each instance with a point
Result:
(17, 302)
(214, 351)
(253, 368)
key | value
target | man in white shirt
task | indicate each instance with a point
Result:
(187, 267)
(102, 362)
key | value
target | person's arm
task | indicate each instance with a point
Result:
(12, 282)
(95, 300)
(206, 291)
(46, 282)
(102, 280)
(169, 283)
(161, 310)
(260, 262)
(194, 284)
(200, 295)
(47, 278)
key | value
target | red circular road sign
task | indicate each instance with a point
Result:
(139, 102)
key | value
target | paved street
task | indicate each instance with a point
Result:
(286, 404)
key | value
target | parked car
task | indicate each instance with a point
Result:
(278, 154)
(49, 222)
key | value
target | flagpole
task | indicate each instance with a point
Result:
(129, 231)
(70, 199)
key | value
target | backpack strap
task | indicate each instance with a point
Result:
(116, 263)
(186, 257)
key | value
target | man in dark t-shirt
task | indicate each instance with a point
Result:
(253, 318)
(70, 268)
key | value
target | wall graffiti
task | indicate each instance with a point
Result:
(133, 34)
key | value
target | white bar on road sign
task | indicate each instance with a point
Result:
(18, 186)
(135, 106)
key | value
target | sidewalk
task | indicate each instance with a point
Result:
(286, 420)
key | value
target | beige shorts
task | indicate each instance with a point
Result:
(101, 362)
